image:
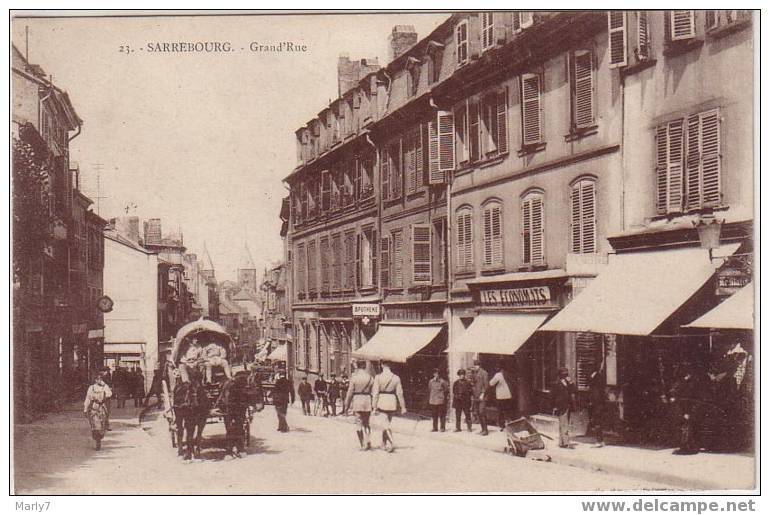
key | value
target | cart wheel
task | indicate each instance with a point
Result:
(520, 449)
(246, 433)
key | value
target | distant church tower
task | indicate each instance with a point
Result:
(207, 267)
(247, 272)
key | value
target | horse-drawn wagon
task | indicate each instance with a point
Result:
(225, 395)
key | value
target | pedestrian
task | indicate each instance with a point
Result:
(107, 377)
(156, 387)
(503, 384)
(138, 387)
(359, 400)
(479, 402)
(388, 397)
(320, 387)
(597, 403)
(305, 395)
(462, 392)
(564, 403)
(344, 385)
(95, 408)
(438, 393)
(687, 396)
(334, 394)
(120, 386)
(283, 394)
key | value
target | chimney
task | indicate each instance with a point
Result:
(133, 228)
(349, 73)
(401, 39)
(152, 231)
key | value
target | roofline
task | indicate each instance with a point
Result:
(119, 239)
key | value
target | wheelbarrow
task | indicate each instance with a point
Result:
(522, 437)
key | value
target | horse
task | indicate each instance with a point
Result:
(191, 409)
(234, 400)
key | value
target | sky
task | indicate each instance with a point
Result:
(201, 141)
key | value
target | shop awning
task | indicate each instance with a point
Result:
(735, 312)
(278, 354)
(123, 348)
(492, 333)
(397, 342)
(638, 291)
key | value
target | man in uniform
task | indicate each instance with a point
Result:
(479, 402)
(388, 398)
(283, 393)
(359, 400)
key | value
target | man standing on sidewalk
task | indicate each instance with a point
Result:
(564, 403)
(305, 395)
(438, 393)
(334, 394)
(359, 400)
(462, 391)
(503, 384)
(282, 395)
(320, 387)
(479, 403)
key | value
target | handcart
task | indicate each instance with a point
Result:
(522, 437)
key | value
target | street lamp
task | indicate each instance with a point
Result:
(709, 231)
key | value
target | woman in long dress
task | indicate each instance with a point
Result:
(95, 409)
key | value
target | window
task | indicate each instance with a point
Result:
(301, 257)
(495, 118)
(617, 33)
(680, 25)
(493, 234)
(724, 18)
(421, 254)
(461, 132)
(434, 61)
(349, 276)
(385, 174)
(367, 258)
(312, 256)
(439, 250)
(385, 261)
(533, 228)
(461, 42)
(583, 217)
(326, 191)
(546, 361)
(474, 132)
(336, 261)
(441, 147)
(531, 129)
(325, 268)
(522, 20)
(397, 277)
(366, 177)
(464, 240)
(581, 76)
(412, 156)
(588, 355)
(413, 76)
(487, 31)
(390, 170)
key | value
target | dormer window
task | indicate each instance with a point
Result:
(522, 20)
(435, 54)
(487, 31)
(461, 42)
(413, 76)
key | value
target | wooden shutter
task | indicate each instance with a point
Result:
(537, 254)
(493, 235)
(326, 190)
(397, 238)
(473, 131)
(526, 231)
(337, 262)
(461, 129)
(618, 37)
(396, 170)
(588, 354)
(675, 166)
(301, 257)
(419, 165)
(487, 260)
(325, 282)
(516, 22)
(522, 20)
(502, 121)
(384, 174)
(461, 43)
(311, 269)
(421, 254)
(410, 168)
(464, 240)
(703, 160)
(530, 108)
(487, 31)
(350, 260)
(583, 99)
(385, 261)
(693, 163)
(642, 36)
(359, 260)
(446, 145)
(661, 168)
(373, 251)
(682, 25)
(575, 229)
(588, 217)
(433, 155)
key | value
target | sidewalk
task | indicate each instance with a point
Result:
(704, 471)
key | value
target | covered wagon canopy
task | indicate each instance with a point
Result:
(206, 331)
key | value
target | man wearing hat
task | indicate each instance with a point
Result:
(438, 393)
(564, 402)
(479, 402)
(462, 391)
(359, 400)
(305, 392)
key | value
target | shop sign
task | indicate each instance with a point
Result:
(366, 310)
(730, 280)
(516, 297)
(79, 328)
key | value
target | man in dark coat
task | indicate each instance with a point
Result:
(438, 394)
(686, 395)
(564, 403)
(479, 402)
(283, 394)
(597, 403)
(334, 394)
(321, 390)
(462, 392)
(138, 382)
(156, 388)
(305, 395)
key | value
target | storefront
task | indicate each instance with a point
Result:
(413, 338)
(126, 355)
(635, 308)
(499, 325)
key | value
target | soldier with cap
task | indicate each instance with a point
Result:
(359, 400)
(388, 397)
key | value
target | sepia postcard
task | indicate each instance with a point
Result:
(416, 252)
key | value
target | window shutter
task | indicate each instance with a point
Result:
(712, 19)
(350, 260)
(516, 22)
(711, 157)
(502, 121)
(526, 231)
(643, 36)
(385, 262)
(487, 31)
(396, 170)
(446, 146)
(461, 129)
(421, 254)
(325, 265)
(617, 33)
(487, 236)
(373, 251)
(575, 230)
(473, 131)
(460, 242)
(693, 163)
(682, 25)
(537, 231)
(433, 154)
(418, 158)
(497, 235)
(584, 89)
(464, 240)
(461, 43)
(661, 168)
(530, 108)
(588, 354)
(337, 263)
(359, 263)
(326, 190)
(311, 271)
(410, 167)
(397, 278)
(385, 174)
(588, 217)
(675, 166)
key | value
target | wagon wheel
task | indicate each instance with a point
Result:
(246, 433)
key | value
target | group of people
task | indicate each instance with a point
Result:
(325, 393)
(207, 355)
(126, 384)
